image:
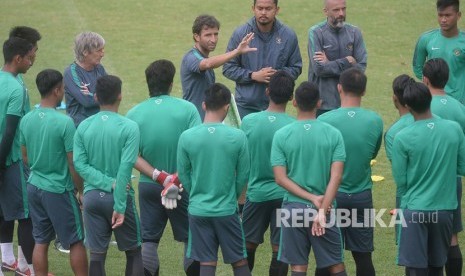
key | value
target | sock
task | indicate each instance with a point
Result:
(97, 264)
(277, 268)
(31, 269)
(134, 265)
(416, 271)
(342, 273)
(322, 272)
(191, 266)
(251, 258)
(242, 270)
(150, 259)
(435, 271)
(25, 239)
(295, 273)
(207, 270)
(8, 256)
(22, 263)
(454, 261)
(363, 263)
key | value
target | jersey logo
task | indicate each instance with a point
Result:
(430, 125)
(443, 101)
(351, 114)
(307, 126)
(211, 130)
(457, 52)
(434, 48)
(272, 118)
(326, 46)
(278, 40)
(41, 115)
(350, 46)
(104, 117)
(158, 101)
(102, 194)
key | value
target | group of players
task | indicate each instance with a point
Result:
(284, 161)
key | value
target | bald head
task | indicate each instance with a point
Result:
(335, 11)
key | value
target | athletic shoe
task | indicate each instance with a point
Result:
(60, 247)
(9, 267)
(27, 273)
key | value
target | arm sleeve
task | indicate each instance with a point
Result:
(419, 57)
(332, 68)
(277, 157)
(380, 138)
(85, 170)
(243, 167)
(72, 86)
(184, 166)
(461, 156)
(11, 126)
(129, 155)
(399, 166)
(388, 145)
(294, 62)
(360, 51)
(68, 137)
(233, 69)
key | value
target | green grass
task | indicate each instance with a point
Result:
(139, 32)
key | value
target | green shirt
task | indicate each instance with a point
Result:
(404, 121)
(449, 108)
(48, 136)
(161, 121)
(106, 147)
(260, 128)
(13, 101)
(433, 44)
(426, 158)
(307, 149)
(362, 131)
(213, 165)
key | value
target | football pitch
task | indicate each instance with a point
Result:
(139, 32)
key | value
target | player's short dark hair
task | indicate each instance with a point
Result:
(159, 75)
(204, 20)
(353, 81)
(281, 87)
(15, 46)
(307, 96)
(107, 89)
(398, 86)
(417, 97)
(27, 33)
(47, 80)
(217, 96)
(437, 72)
(443, 4)
(275, 2)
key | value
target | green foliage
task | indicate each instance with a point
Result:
(138, 32)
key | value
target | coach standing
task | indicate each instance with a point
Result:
(333, 46)
(278, 49)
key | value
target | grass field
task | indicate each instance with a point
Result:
(139, 32)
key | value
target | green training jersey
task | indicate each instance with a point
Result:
(449, 108)
(260, 128)
(404, 121)
(106, 147)
(426, 158)
(362, 131)
(213, 165)
(13, 101)
(433, 44)
(161, 121)
(27, 102)
(307, 149)
(48, 136)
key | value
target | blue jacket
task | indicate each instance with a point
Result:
(278, 49)
(337, 45)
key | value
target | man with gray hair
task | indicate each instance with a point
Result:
(333, 46)
(81, 76)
